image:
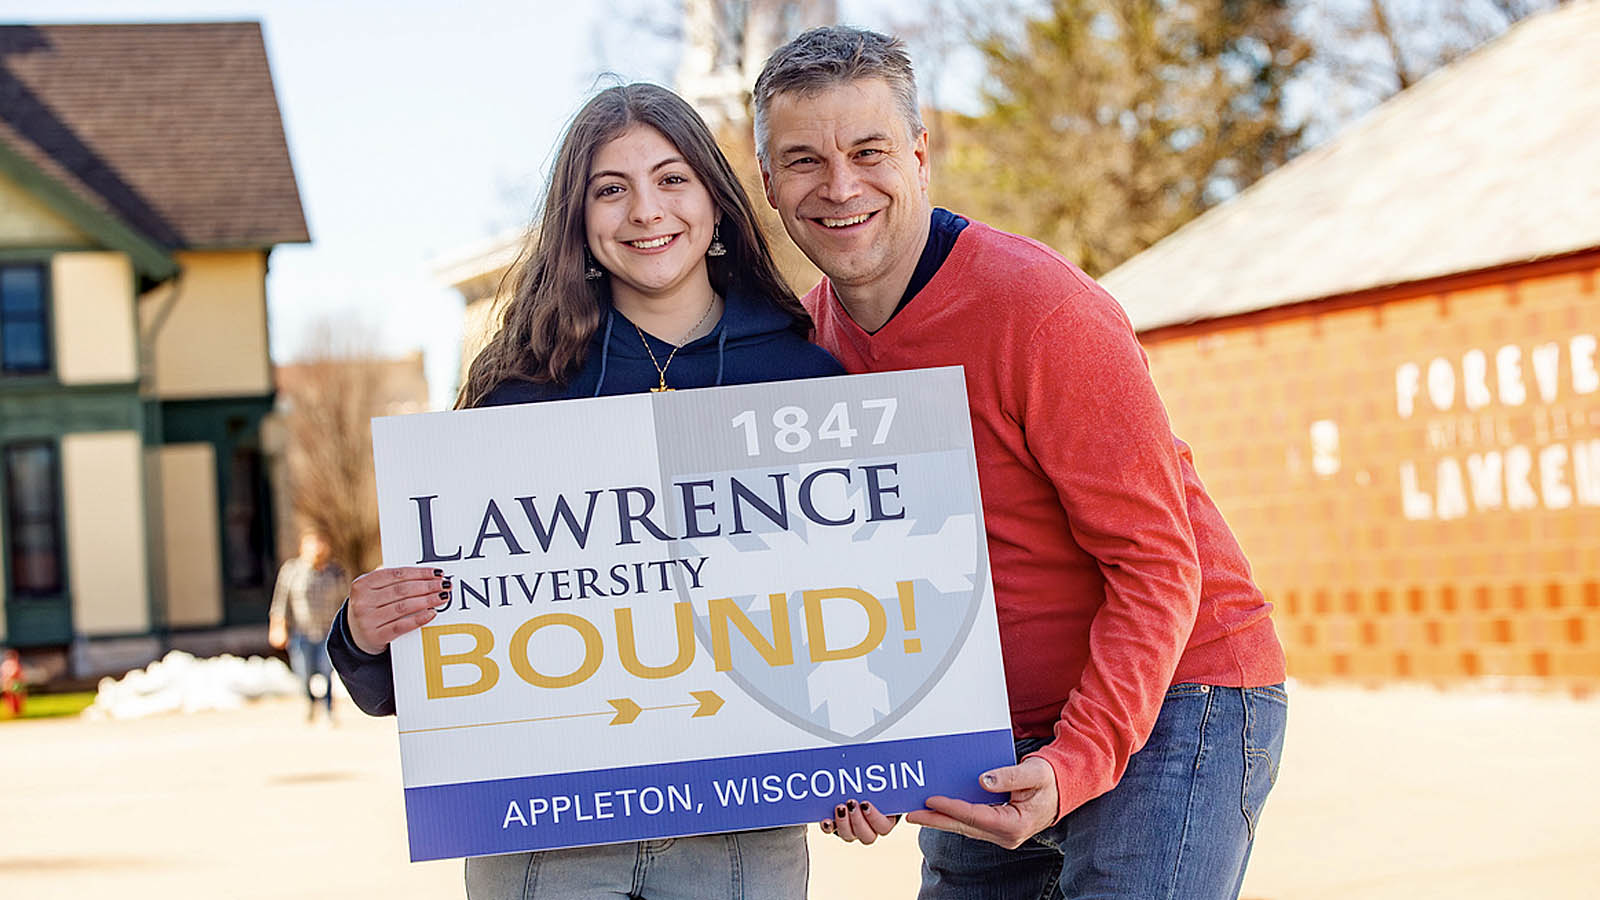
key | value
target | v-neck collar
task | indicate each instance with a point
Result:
(915, 311)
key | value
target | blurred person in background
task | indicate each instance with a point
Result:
(1143, 671)
(309, 591)
(647, 271)
(12, 687)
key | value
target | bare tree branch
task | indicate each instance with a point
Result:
(330, 396)
(1397, 54)
(1376, 48)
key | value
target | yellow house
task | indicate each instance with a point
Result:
(144, 180)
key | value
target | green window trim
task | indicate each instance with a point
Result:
(149, 258)
(35, 520)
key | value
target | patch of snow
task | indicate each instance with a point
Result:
(181, 683)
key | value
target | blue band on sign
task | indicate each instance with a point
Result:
(702, 796)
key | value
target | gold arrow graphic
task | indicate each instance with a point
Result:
(627, 710)
(709, 703)
(624, 710)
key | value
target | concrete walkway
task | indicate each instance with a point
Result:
(1394, 794)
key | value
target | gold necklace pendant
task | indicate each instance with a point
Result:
(661, 368)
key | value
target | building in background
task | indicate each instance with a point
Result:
(478, 274)
(726, 42)
(144, 180)
(1385, 357)
(400, 385)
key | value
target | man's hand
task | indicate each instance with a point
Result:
(277, 633)
(386, 603)
(1031, 809)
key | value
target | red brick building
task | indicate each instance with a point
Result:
(1385, 356)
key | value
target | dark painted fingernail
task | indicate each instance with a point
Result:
(438, 571)
(851, 804)
(444, 595)
(865, 806)
(446, 584)
(827, 826)
(838, 811)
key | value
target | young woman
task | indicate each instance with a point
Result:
(646, 272)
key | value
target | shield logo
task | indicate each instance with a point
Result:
(839, 629)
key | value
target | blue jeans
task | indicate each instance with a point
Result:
(1178, 826)
(309, 656)
(770, 864)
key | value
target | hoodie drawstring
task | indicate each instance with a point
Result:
(722, 347)
(605, 351)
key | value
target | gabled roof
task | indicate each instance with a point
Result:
(170, 131)
(1491, 161)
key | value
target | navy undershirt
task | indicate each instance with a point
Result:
(942, 231)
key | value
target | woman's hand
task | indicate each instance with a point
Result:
(862, 822)
(386, 603)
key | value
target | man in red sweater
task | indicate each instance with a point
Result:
(1144, 675)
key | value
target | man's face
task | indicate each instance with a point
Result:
(850, 183)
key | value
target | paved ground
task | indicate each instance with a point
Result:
(1393, 794)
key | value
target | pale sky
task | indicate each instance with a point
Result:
(416, 129)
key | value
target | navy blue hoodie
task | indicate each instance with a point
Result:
(753, 342)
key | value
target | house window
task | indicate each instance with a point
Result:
(33, 518)
(24, 320)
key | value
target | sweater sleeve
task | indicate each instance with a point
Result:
(368, 678)
(280, 593)
(1093, 420)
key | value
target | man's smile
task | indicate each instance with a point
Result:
(835, 222)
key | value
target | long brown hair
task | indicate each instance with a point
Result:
(553, 312)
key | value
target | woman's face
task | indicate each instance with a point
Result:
(649, 219)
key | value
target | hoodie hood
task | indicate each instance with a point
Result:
(745, 322)
(753, 341)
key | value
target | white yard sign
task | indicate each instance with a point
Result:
(691, 612)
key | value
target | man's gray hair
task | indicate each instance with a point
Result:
(832, 55)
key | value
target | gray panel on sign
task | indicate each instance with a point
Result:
(930, 414)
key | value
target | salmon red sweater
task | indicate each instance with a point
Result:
(1114, 574)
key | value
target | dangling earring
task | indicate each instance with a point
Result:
(591, 272)
(716, 248)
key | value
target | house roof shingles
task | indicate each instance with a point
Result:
(172, 128)
(1492, 161)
